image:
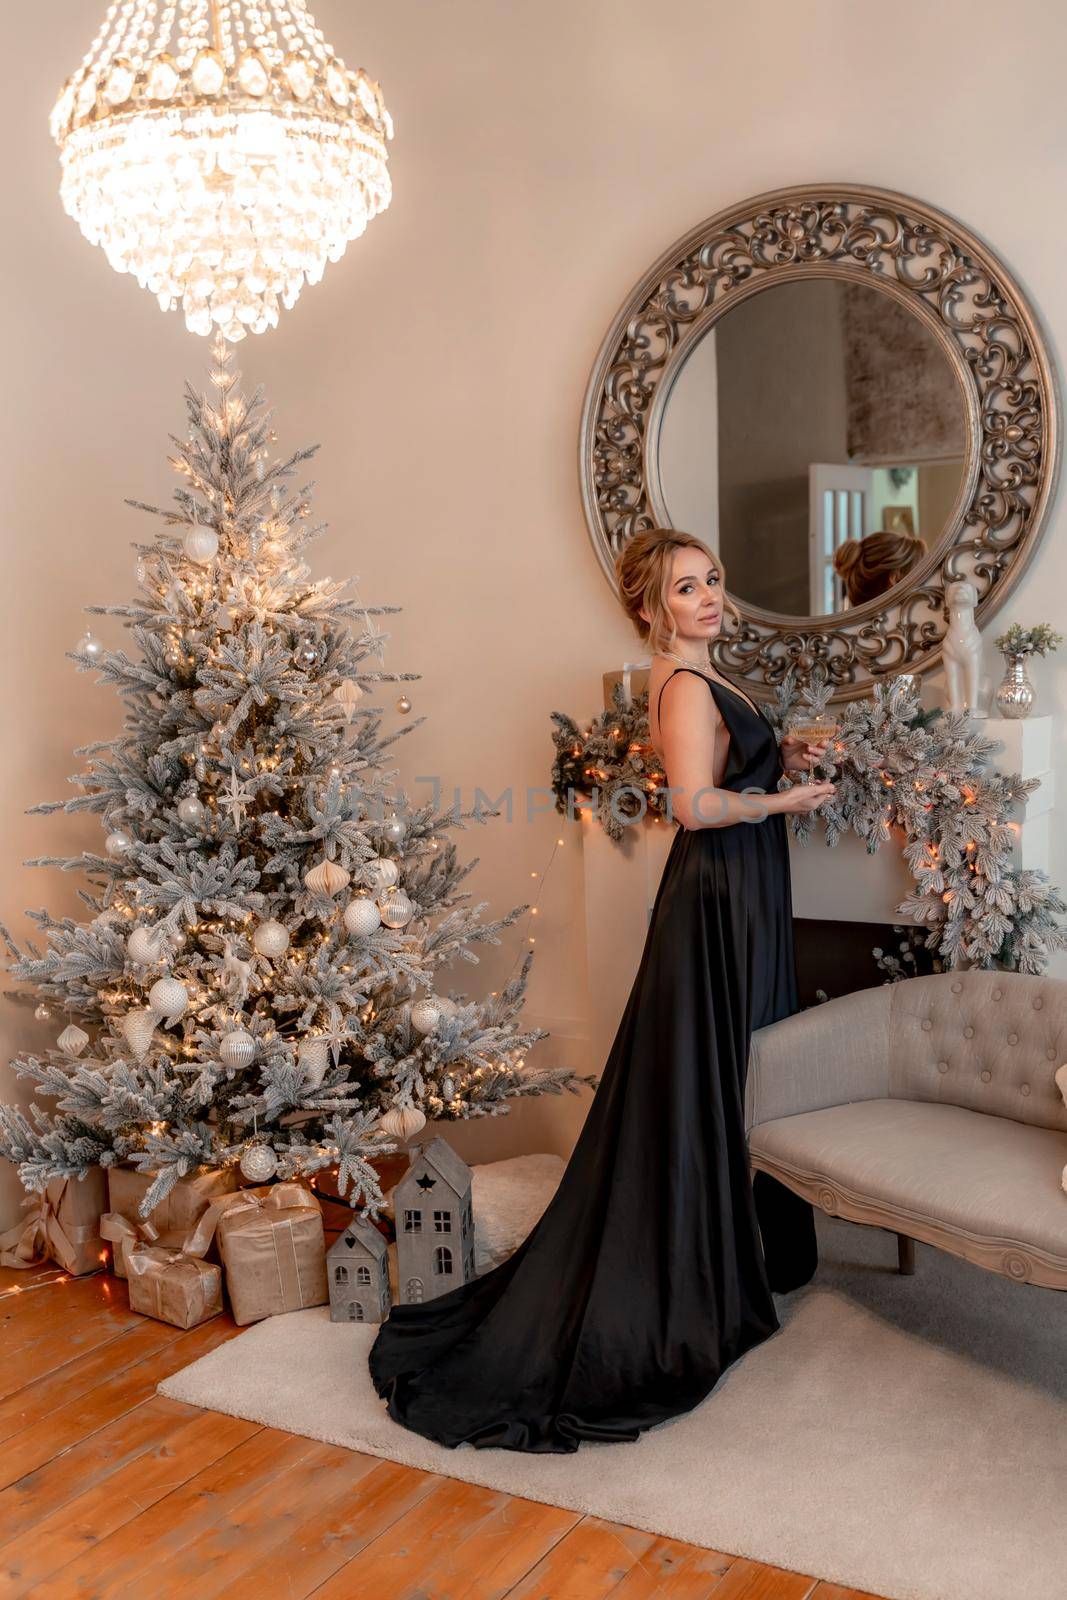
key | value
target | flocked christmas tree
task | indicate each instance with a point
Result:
(271, 914)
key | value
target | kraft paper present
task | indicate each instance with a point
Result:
(61, 1225)
(172, 1285)
(273, 1248)
(170, 1221)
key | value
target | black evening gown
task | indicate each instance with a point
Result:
(647, 1275)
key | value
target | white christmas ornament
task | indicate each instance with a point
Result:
(396, 908)
(326, 878)
(314, 1057)
(447, 1007)
(400, 1122)
(381, 873)
(89, 645)
(258, 1163)
(144, 947)
(395, 829)
(191, 810)
(118, 842)
(362, 917)
(271, 938)
(425, 1015)
(201, 545)
(348, 695)
(169, 999)
(237, 1048)
(72, 1040)
(139, 1026)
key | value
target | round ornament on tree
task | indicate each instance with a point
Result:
(307, 654)
(396, 908)
(169, 999)
(89, 645)
(381, 873)
(144, 947)
(191, 811)
(259, 1163)
(118, 842)
(201, 545)
(425, 1015)
(237, 1049)
(395, 829)
(362, 917)
(271, 938)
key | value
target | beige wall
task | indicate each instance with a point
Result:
(545, 153)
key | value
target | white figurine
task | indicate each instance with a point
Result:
(962, 647)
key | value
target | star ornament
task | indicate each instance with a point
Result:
(235, 799)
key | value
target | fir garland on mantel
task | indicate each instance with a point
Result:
(895, 766)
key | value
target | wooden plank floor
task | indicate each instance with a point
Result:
(107, 1489)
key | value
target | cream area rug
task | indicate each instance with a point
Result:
(906, 1436)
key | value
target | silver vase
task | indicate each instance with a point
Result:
(1014, 695)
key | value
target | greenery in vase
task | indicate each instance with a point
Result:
(1028, 641)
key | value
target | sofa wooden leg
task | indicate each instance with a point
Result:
(905, 1254)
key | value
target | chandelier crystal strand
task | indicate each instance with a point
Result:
(220, 152)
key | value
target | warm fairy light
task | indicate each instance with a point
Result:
(220, 152)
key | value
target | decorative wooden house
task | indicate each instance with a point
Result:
(357, 1271)
(434, 1223)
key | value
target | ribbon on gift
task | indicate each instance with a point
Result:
(123, 1234)
(627, 668)
(267, 1267)
(41, 1236)
(285, 1196)
(193, 1296)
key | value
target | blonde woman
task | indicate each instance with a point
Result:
(646, 1277)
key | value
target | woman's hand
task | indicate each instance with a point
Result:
(796, 753)
(804, 797)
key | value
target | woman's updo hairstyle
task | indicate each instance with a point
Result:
(643, 574)
(867, 564)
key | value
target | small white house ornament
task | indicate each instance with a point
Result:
(434, 1224)
(357, 1272)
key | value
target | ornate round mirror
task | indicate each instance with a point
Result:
(816, 371)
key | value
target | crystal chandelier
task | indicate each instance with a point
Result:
(220, 151)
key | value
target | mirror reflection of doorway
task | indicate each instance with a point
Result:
(814, 410)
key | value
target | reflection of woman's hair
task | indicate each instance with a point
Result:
(643, 575)
(868, 564)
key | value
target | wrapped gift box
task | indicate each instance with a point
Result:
(273, 1248)
(171, 1221)
(172, 1285)
(61, 1225)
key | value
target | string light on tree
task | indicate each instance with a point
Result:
(264, 901)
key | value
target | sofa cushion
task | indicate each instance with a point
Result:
(985, 1177)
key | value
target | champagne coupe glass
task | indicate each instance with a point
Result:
(814, 727)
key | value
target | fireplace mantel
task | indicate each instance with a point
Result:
(839, 884)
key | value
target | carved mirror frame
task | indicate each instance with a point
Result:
(943, 274)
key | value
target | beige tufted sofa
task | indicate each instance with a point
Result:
(927, 1107)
